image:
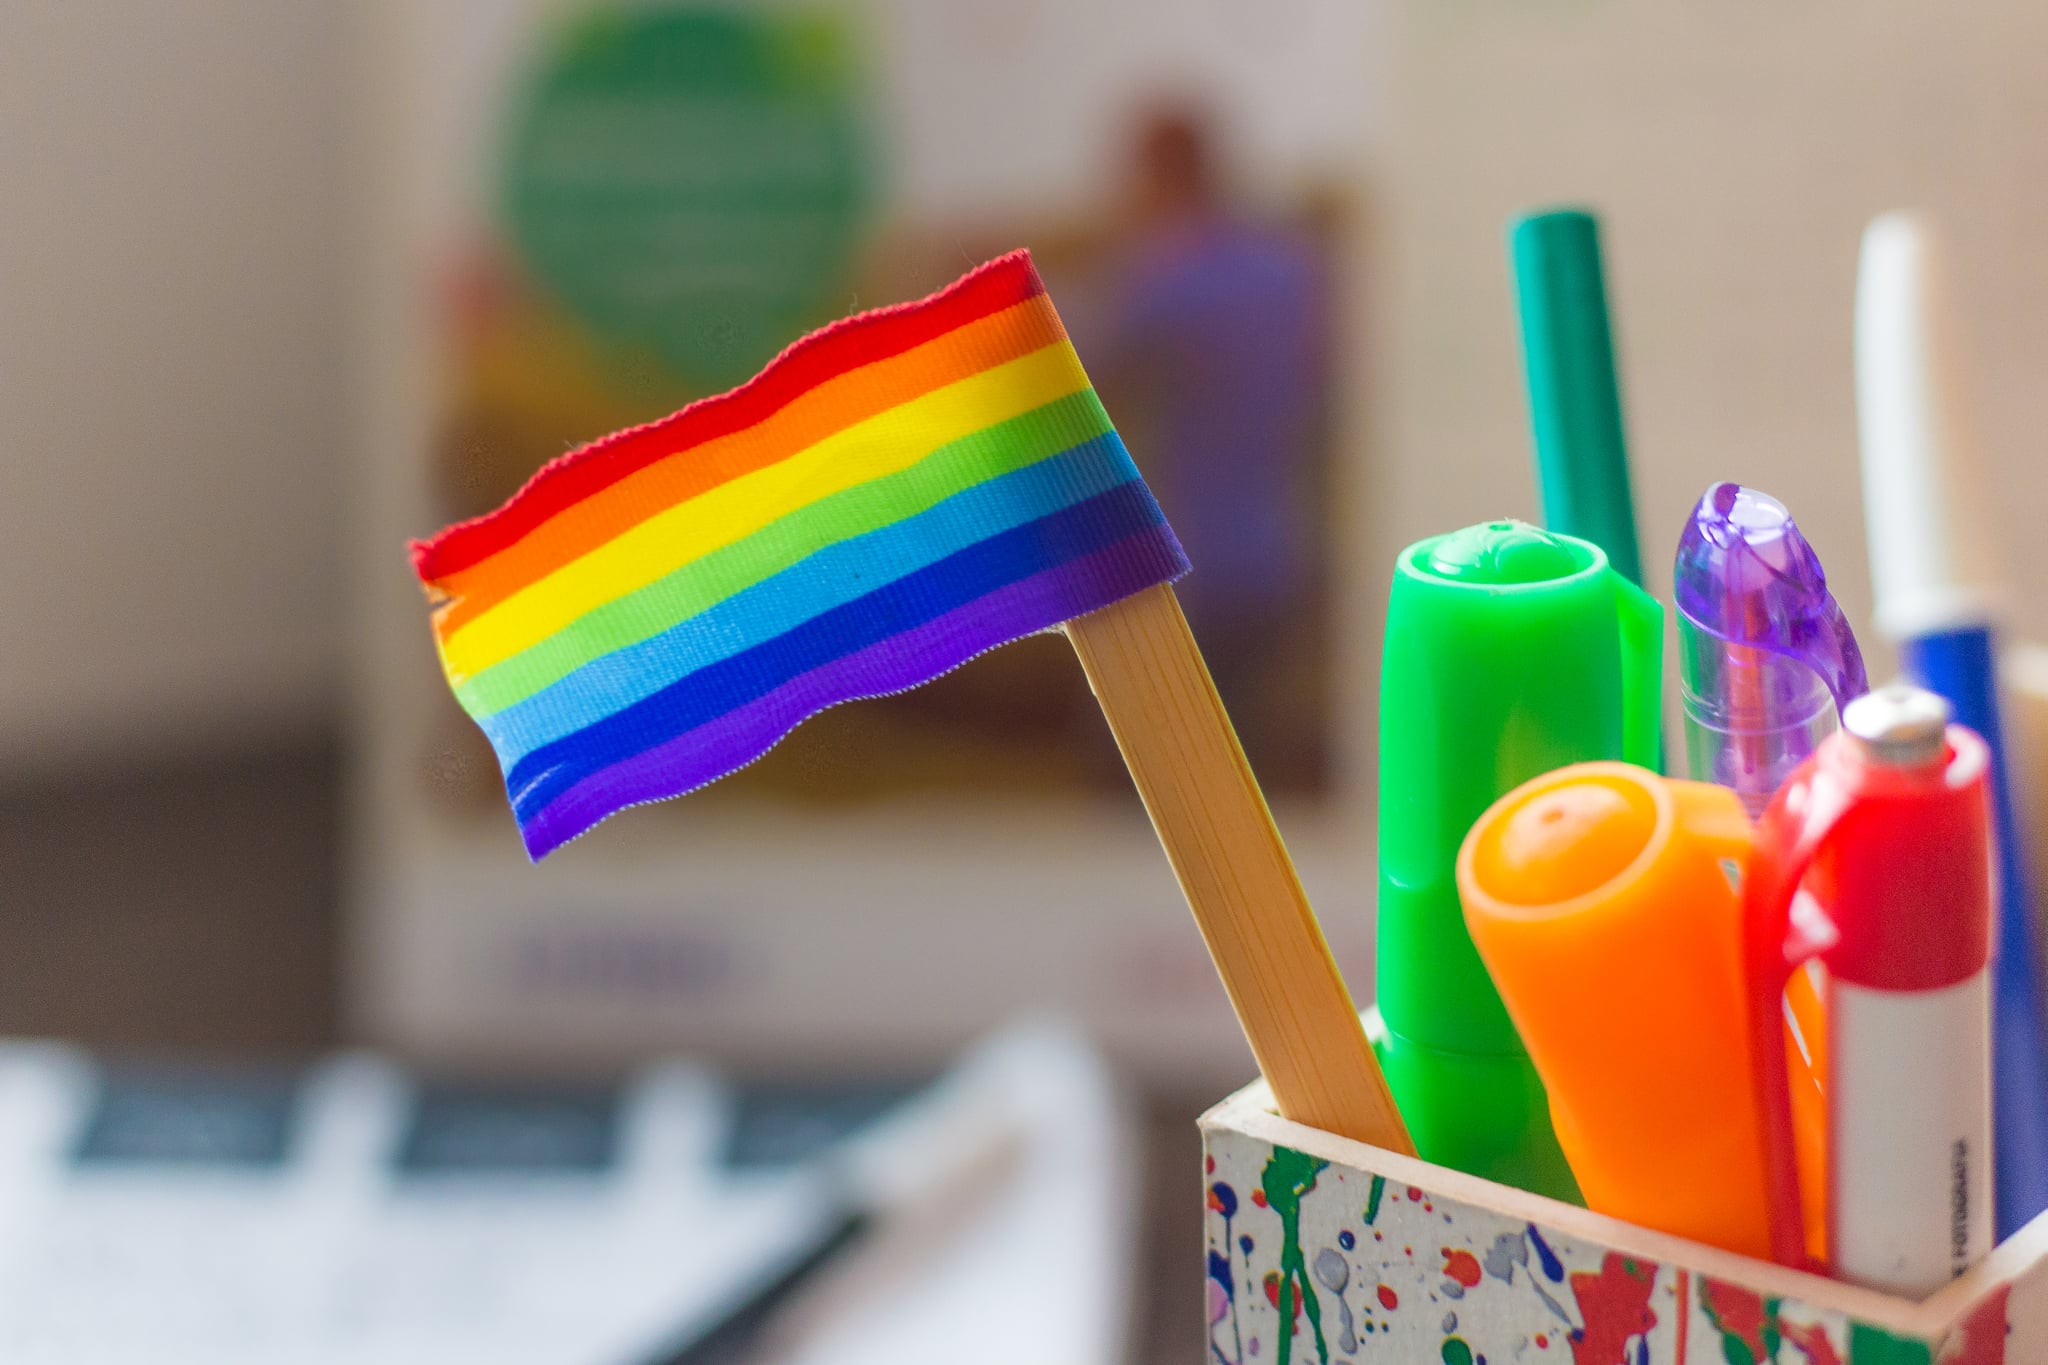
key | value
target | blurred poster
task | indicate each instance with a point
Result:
(681, 193)
(1212, 344)
(671, 194)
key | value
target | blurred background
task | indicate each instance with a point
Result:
(282, 286)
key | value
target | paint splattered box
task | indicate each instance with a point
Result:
(1325, 1250)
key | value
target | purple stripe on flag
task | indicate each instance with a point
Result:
(901, 662)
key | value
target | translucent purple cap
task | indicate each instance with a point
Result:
(1746, 575)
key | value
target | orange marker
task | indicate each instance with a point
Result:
(1603, 899)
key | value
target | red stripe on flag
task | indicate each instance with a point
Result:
(846, 345)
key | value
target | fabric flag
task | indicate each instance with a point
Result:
(892, 496)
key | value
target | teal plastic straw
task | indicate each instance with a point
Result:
(1574, 396)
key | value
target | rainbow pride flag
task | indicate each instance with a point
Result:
(892, 496)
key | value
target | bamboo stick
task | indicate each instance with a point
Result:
(1156, 693)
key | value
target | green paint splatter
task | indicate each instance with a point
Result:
(1456, 1352)
(1372, 1200)
(1873, 1346)
(1288, 1176)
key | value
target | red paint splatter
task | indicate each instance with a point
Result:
(1379, 1236)
(1735, 1313)
(1542, 1342)
(1684, 1296)
(1389, 1300)
(1259, 1198)
(1428, 1207)
(1209, 1165)
(1272, 1287)
(1215, 1202)
(1812, 1338)
(1414, 1195)
(1461, 1266)
(1983, 1339)
(1616, 1305)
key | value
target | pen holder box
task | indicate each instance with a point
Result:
(1378, 1257)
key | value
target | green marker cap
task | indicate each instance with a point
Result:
(1574, 394)
(1510, 651)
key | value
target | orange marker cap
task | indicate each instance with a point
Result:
(1601, 898)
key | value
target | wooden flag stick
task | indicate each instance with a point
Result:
(1161, 705)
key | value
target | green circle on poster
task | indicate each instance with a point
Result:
(693, 180)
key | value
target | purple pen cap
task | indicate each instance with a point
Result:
(1766, 658)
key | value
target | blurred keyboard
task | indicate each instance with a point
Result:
(354, 1214)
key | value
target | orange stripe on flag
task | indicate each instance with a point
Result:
(831, 406)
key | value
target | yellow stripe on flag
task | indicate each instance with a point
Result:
(881, 445)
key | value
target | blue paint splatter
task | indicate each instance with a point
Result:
(1223, 1199)
(1553, 1269)
(1219, 1271)
(1346, 1240)
(1244, 1244)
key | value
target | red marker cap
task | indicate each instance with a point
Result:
(1887, 825)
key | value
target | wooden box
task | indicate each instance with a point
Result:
(1379, 1257)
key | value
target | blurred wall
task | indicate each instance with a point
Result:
(1735, 152)
(173, 242)
(1021, 108)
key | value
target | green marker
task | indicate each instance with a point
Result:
(1574, 397)
(1510, 651)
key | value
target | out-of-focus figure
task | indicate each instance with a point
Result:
(1215, 349)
